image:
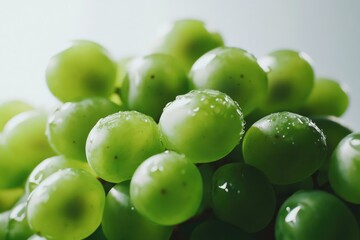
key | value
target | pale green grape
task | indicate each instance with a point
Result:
(186, 40)
(151, 82)
(69, 126)
(120, 142)
(50, 166)
(80, 71)
(233, 71)
(167, 188)
(205, 125)
(67, 205)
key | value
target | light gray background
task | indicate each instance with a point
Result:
(31, 31)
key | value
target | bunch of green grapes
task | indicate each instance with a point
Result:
(194, 140)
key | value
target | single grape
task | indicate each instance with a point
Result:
(122, 221)
(151, 82)
(9, 109)
(243, 196)
(205, 125)
(68, 127)
(286, 146)
(233, 71)
(81, 71)
(186, 40)
(315, 215)
(167, 188)
(24, 145)
(291, 79)
(120, 142)
(328, 97)
(66, 205)
(51, 165)
(344, 171)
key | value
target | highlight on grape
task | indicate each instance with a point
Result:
(194, 140)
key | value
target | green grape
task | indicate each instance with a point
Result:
(315, 215)
(81, 71)
(9, 197)
(9, 109)
(69, 126)
(26, 142)
(242, 195)
(291, 79)
(167, 188)
(151, 82)
(18, 227)
(66, 205)
(97, 235)
(205, 125)
(51, 165)
(232, 71)
(120, 142)
(186, 40)
(344, 171)
(328, 97)
(218, 230)
(122, 221)
(286, 146)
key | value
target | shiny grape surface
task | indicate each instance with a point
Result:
(286, 146)
(119, 143)
(167, 188)
(205, 125)
(233, 71)
(193, 140)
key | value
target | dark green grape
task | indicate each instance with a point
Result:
(243, 196)
(328, 97)
(167, 188)
(151, 82)
(344, 170)
(205, 125)
(315, 215)
(81, 71)
(122, 221)
(186, 40)
(120, 142)
(69, 126)
(66, 205)
(286, 146)
(50, 166)
(9, 109)
(232, 71)
(291, 79)
(218, 230)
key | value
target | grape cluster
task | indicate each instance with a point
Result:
(196, 140)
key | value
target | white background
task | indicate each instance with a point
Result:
(31, 31)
